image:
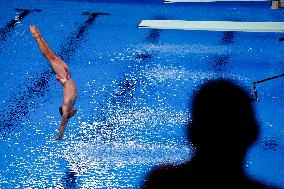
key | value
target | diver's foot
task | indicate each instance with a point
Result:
(35, 32)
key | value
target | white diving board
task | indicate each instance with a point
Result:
(191, 1)
(213, 25)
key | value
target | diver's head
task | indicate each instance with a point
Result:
(70, 114)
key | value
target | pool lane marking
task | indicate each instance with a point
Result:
(227, 38)
(204, 1)
(10, 25)
(127, 84)
(213, 25)
(73, 43)
(153, 37)
(20, 103)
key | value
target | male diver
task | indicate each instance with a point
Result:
(61, 70)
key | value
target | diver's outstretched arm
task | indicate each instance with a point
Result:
(63, 122)
(66, 109)
(62, 127)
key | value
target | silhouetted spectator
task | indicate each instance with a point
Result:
(223, 127)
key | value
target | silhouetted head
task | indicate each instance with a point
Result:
(222, 118)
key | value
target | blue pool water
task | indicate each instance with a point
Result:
(134, 90)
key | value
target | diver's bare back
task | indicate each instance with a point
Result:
(69, 92)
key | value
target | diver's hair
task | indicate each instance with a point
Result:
(60, 111)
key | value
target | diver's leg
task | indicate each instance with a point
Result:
(44, 48)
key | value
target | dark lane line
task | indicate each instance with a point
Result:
(69, 180)
(127, 86)
(23, 102)
(219, 61)
(6, 30)
(228, 38)
(69, 48)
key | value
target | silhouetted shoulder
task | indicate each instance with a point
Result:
(167, 177)
(186, 177)
(249, 184)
